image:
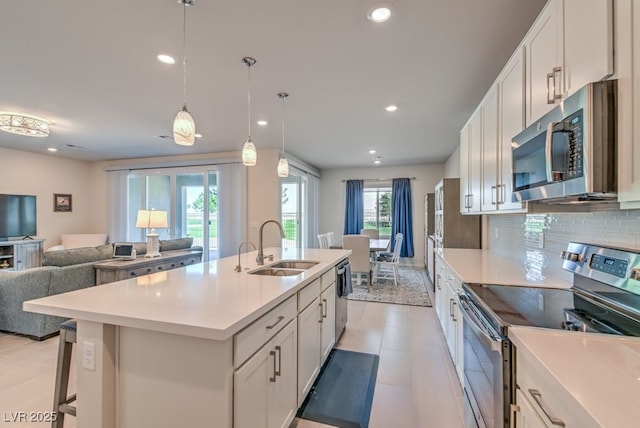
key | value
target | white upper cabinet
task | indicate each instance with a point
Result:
(510, 123)
(470, 164)
(588, 42)
(543, 47)
(488, 195)
(569, 45)
(628, 74)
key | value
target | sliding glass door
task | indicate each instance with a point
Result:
(293, 218)
(190, 197)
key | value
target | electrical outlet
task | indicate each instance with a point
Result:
(541, 240)
(89, 356)
(541, 302)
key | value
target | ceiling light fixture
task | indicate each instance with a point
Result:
(52, 149)
(184, 127)
(391, 108)
(166, 59)
(283, 164)
(23, 124)
(262, 123)
(249, 154)
(372, 151)
(380, 12)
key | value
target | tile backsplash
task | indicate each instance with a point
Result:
(537, 240)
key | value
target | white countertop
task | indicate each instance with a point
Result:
(207, 300)
(486, 267)
(602, 372)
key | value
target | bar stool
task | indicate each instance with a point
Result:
(60, 399)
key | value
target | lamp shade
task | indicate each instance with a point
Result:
(283, 167)
(184, 128)
(151, 219)
(249, 154)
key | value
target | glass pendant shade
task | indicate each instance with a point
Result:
(249, 154)
(184, 128)
(283, 167)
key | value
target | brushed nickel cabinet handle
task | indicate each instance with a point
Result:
(550, 95)
(324, 306)
(279, 371)
(320, 320)
(537, 396)
(494, 194)
(453, 315)
(557, 94)
(280, 318)
(273, 379)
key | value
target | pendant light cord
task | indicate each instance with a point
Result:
(184, 52)
(249, 98)
(283, 96)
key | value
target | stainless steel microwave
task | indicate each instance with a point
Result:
(569, 155)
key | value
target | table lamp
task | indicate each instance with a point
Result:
(150, 219)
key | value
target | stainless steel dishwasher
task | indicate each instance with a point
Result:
(343, 288)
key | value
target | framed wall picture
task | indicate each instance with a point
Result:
(61, 202)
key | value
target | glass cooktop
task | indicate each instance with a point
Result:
(552, 308)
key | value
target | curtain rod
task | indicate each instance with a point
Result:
(376, 179)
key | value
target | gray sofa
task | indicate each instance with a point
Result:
(61, 271)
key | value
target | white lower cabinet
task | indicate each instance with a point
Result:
(316, 329)
(308, 347)
(265, 386)
(525, 414)
(328, 313)
(539, 394)
(447, 286)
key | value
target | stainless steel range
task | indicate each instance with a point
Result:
(604, 298)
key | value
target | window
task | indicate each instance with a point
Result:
(377, 210)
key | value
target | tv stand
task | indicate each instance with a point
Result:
(21, 254)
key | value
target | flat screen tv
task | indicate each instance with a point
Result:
(17, 216)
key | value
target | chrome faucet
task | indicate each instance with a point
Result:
(260, 258)
(238, 267)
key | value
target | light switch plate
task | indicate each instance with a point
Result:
(89, 355)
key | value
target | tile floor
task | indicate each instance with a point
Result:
(416, 383)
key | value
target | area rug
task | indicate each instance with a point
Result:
(411, 289)
(343, 392)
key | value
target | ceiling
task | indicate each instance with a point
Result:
(90, 68)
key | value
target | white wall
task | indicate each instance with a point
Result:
(332, 196)
(452, 165)
(43, 175)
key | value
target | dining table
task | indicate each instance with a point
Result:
(374, 245)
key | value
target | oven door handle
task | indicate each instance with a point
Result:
(472, 319)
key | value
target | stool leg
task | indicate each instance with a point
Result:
(62, 378)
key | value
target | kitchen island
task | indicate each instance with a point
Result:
(163, 350)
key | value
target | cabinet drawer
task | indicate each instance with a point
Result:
(308, 294)
(328, 278)
(132, 273)
(547, 396)
(249, 340)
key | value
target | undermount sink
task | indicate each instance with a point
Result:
(277, 272)
(294, 264)
(285, 268)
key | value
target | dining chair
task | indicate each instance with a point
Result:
(384, 267)
(372, 233)
(360, 261)
(323, 241)
(330, 239)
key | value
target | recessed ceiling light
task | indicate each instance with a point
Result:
(198, 135)
(167, 59)
(377, 161)
(391, 108)
(52, 149)
(262, 122)
(372, 151)
(380, 12)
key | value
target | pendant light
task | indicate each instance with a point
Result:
(184, 128)
(249, 154)
(283, 164)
